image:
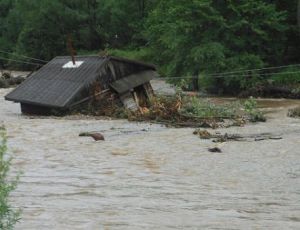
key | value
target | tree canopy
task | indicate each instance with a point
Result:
(182, 37)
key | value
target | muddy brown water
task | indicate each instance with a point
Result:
(150, 177)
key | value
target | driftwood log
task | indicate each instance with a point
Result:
(204, 134)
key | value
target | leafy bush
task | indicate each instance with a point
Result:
(254, 114)
(208, 83)
(289, 76)
(239, 79)
(142, 54)
(8, 216)
(206, 109)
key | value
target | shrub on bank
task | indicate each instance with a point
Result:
(8, 216)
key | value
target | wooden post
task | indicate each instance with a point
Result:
(71, 49)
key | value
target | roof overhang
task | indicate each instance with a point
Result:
(127, 83)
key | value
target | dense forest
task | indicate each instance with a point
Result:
(207, 42)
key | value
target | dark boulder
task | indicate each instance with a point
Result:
(215, 150)
(95, 136)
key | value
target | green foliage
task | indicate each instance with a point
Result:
(206, 109)
(178, 30)
(143, 54)
(242, 80)
(8, 216)
(204, 37)
(122, 21)
(289, 76)
(195, 38)
(252, 111)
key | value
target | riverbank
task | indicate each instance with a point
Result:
(153, 177)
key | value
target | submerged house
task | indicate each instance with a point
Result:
(62, 85)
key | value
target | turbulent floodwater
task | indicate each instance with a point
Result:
(151, 177)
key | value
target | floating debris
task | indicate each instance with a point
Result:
(182, 111)
(7, 80)
(95, 136)
(220, 138)
(204, 134)
(215, 150)
(294, 112)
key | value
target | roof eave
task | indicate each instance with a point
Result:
(36, 103)
(132, 61)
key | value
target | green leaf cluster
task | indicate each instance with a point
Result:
(8, 215)
(184, 38)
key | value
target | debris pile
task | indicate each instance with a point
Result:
(294, 112)
(220, 138)
(186, 111)
(7, 80)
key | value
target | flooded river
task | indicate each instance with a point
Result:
(151, 177)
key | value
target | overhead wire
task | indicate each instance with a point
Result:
(258, 69)
(24, 62)
(228, 76)
(23, 56)
(242, 73)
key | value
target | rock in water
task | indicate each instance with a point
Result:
(215, 150)
(97, 136)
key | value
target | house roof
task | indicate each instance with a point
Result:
(58, 82)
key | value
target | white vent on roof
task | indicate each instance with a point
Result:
(71, 65)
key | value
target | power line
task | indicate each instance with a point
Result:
(248, 70)
(263, 74)
(239, 72)
(23, 56)
(24, 62)
(229, 76)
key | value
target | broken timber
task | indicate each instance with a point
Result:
(204, 134)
